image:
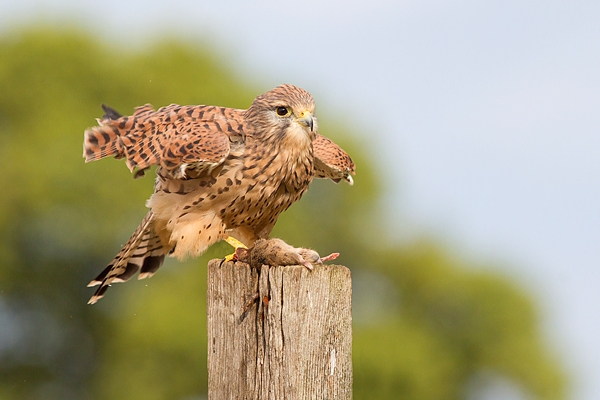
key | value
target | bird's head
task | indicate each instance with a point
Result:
(287, 112)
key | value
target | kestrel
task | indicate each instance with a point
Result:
(222, 173)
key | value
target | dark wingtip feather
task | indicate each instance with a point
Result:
(110, 113)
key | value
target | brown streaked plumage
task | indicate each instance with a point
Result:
(331, 161)
(220, 172)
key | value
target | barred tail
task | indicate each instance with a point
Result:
(144, 251)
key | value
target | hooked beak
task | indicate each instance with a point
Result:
(306, 119)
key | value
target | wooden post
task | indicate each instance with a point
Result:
(279, 332)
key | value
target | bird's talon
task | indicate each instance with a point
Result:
(236, 244)
(229, 257)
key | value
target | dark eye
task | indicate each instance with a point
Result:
(281, 111)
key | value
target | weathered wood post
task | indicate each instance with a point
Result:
(279, 332)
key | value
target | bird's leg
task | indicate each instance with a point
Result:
(236, 244)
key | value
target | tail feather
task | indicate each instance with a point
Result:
(144, 252)
(151, 252)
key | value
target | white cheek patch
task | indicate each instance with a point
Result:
(298, 133)
(295, 132)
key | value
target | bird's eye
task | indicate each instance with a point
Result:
(282, 111)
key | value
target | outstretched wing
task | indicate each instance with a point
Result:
(331, 161)
(177, 138)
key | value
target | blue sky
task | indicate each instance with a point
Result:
(486, 116)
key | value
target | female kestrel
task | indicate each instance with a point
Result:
(221, 173)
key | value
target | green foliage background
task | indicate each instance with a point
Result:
(426, 325)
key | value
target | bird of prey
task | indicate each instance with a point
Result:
(222, 173)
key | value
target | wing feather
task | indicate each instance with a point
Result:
(174, 137)
(331, 161)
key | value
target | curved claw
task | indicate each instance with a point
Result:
(230, 257)
(236, 244)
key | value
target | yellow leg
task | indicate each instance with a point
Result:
(235, 244)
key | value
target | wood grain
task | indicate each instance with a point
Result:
(279, 332)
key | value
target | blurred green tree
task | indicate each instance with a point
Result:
(426, 325)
